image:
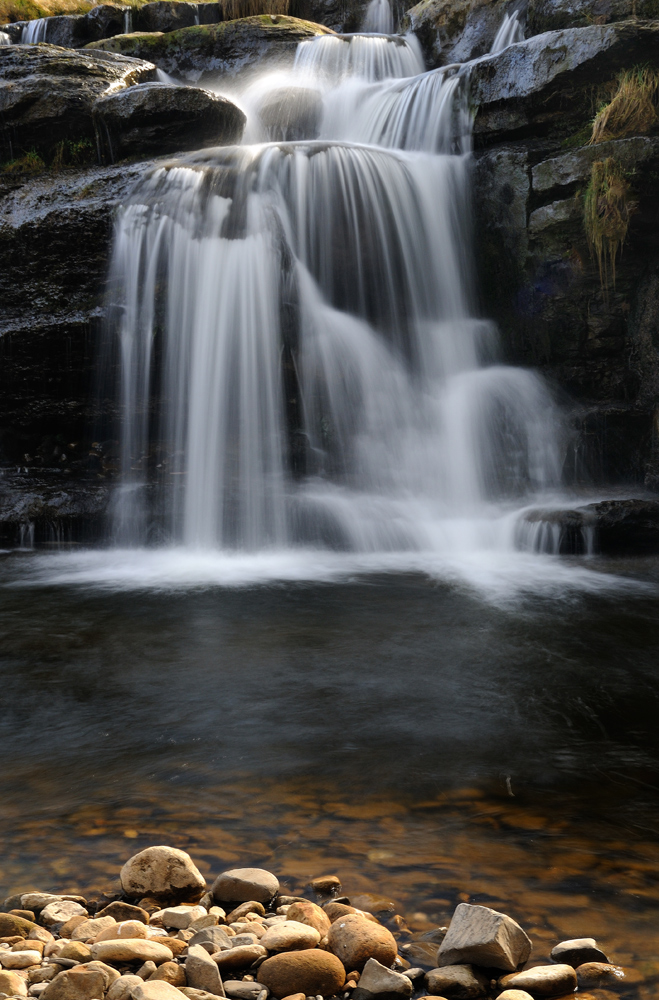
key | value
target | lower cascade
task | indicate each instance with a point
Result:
(301, 361)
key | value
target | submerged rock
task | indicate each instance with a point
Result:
(226, 50)
(162, 872)
(47, 94)
(577, 951)
(156, 118)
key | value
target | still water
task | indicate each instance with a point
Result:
(403, 731)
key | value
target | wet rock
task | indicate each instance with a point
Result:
(227, 50)
(104, 21)
(131, 950)
(212, 938)
(378, 981)
(179, 917)
(354, 939)
(326, 884)
(457, 30)
(543, 980)
(122, 988)
(371, 902)
(239, 958)
(47, 93)
(600, 976)
(243, 884)
(290, 936)
(481, 936)
(575, 167)
(172, 973)
(123, 911)
(162, 872)
(423, 952)
(457, 982)
(156, 118)
(309, 913)
(334, 910)
(156, 990)
(291, 113)
(36, 901)
(577, 951)
(312, 972)
(61, 912)
(66, 30)
(12, 984)
(11, 925)
(202, 972)
(169, 15)
(79, 983)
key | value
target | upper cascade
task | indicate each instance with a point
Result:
(511, 31)
(374, 57)
(379, 17)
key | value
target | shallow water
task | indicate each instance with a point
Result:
(401, 730)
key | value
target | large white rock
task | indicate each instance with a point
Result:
(61, 910)
(478, 935)
(242, 884)
(19, 959)
(131, 950)
(163, 872)
(202, 972)
(377, 980)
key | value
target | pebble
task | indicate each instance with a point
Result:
(599, 975)
(543, 980)
(171, 972)
(238, 990)
(201, 972)
(354, 940)
(179, 917)
(378, 981)
(251, 906)
(40, 934)
(162, 872)
(146, 971)
(122, 988)
(290, 936)
(310, 913)
(39, 900)
(67, 928)
(480, 936)
(61, 910)
(514, 995)
(239, 958)
(461, 981)
(131, 950)
(156, 989)
(240, 885)
(12, 984)
(326, 884)
(311, 972)
(215, 938)
(126, 929)
(90, 929)
(76, 950)
(577, 951)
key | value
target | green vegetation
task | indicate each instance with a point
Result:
(28, 164)
(632, 108)
(27, 10)
(608, 208)
(68, 153)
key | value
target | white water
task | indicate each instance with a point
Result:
(307, 390)
(35, 31)
(4, 38)
(511, 31)
(379, 18)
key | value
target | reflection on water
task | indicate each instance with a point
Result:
(374, 728)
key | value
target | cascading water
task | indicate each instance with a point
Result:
(301, 362)
(510, 31)
(35, 31)
(4, 38)
(379, 18)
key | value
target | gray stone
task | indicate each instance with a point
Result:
(104, 21)
(162, 872)
(202, 972)
(378, 981)
(122, 988)
(170, 15)
(577, 951)
(457, 982)
(453, 31)
(212, 938)
(554, 214)
(575, 166)
(241, 884)
(238, 990)
(552, 15)
(178, 917)
(484, 937)
(156, 989)
(543, 980)
(228, 50)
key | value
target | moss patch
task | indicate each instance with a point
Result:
(28, 10)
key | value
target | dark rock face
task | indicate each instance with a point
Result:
(456, 31)
(104, 21)
(47, 93)
(40, 508)
(154, 118)
(232, 48)
(619, 527)
(552, 15)
(168, 15)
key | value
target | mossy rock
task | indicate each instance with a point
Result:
(229, 49)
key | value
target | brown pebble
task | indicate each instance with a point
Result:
(326, 884)
(251, 906)
(311, 972)
(171, 972)
(354, 940)
(25, 914)
(123, 911)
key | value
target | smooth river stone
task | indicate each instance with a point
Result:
(354, 940)
(156, 989)
(480, 936)
(171, 972)
(90, 929)
(290, 936)
(600, 975)
(162, 872)
(179, 917)
(124, 911)
(239, 885)
(577, 951)
(239, 958)
(61, 910)
(251, 906)
(19, 959)
(326, 884)
(514, 995)
(459, 981)
(13, 926)
(122, 988)
(312, 972)
(126, 929)
(310, 913)
(12, 984)
(131, 950)
(79, 983)
(543, 980)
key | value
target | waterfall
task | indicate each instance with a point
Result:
(4, 38)
(510, 31)
(378, 18)
(128, 20)
(301, 361)
(35, 31)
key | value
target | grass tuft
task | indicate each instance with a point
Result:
(608, 208)
(632, 109)
(26, 165)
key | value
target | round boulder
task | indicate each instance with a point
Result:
(241, 884)
(156, 118)
(354, 940)
(312, 972)
(162, 872)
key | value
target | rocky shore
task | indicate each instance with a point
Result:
(164, 932)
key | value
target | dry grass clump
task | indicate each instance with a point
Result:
(633, 108)
(608, 208)
(24, 166)
(234, 9)
(28, 10)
